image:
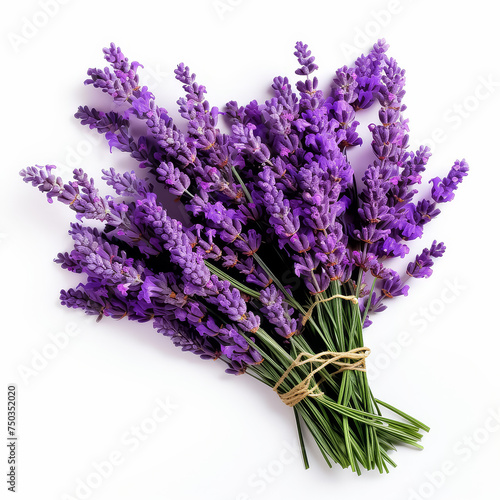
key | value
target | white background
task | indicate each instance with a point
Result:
(229, 438)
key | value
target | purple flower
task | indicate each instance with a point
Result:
(277, 313)
(119, 82)
(249, 144)
(443, 189)
(303, 55)
(177, 182)
(421, 267)
(392, 287)
(127, 184)
(218, 213)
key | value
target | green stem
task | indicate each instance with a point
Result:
(301, 439)
(237, 284)
(270, 274)
(369, 302)
(242, 184)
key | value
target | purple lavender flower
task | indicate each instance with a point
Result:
(277, 313)
(103, 260)
(249, 144)
(311, 96)
(393, 287)
(368, 70)
(102, 122)
(173, 239)
(443, 189)
(127, 184)
(120, 81)
(186, 338)
(421, 267)
(79, 299)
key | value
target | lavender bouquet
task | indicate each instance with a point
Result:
(286, 255)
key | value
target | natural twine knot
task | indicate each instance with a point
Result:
(303, 389)
(308, 314)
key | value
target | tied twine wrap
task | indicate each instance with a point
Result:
(303, 389)
(308, 314)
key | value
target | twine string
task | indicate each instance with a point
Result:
(309, 312)
(303, 389)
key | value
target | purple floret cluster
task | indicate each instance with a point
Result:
(277, 217)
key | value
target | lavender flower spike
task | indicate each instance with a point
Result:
(443, 189)
(421, 267)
